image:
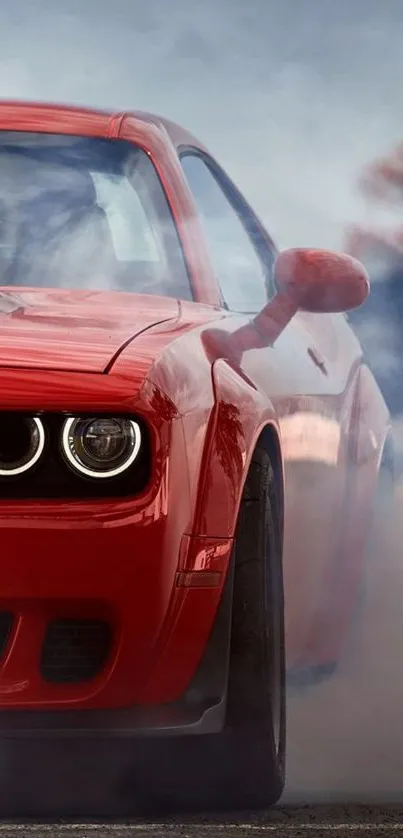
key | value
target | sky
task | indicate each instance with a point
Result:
(291, 96)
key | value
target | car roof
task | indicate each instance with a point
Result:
(179, 136)
(12, 112)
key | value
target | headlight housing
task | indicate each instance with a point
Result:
(22, 440)
(100, 447)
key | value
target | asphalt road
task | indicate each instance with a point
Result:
(345, 760)
(286, 824)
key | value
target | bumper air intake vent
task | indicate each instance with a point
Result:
(75, 650)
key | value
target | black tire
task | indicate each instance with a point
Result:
(256, 709)
(243, 767)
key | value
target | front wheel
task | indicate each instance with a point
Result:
(243, 766)
(255, 726)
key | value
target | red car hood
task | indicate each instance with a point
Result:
(80, 331)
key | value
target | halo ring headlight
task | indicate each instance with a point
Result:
(100, 447)
(34, 451)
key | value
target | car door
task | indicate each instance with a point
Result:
(305, 376)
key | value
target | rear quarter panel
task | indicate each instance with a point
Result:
(365, 426)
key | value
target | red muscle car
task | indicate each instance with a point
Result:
(187, 429)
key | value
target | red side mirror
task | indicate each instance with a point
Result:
(309, 280)
(321, 280)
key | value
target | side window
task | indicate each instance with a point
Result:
(241, 273)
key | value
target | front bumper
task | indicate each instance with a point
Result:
(107, 564)
(200, 710)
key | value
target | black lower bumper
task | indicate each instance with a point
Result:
(169, 720)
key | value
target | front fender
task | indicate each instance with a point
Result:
(240, 414)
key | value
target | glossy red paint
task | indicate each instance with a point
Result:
(79, 331)
(321, 281)
(136, 596)
(208, 383)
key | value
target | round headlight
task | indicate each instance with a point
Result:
(101, 447)
(22, 440)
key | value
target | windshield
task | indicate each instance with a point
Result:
(85, 213)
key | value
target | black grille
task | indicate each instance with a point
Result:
(6, 624)
(51, 477)
(75, 650)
